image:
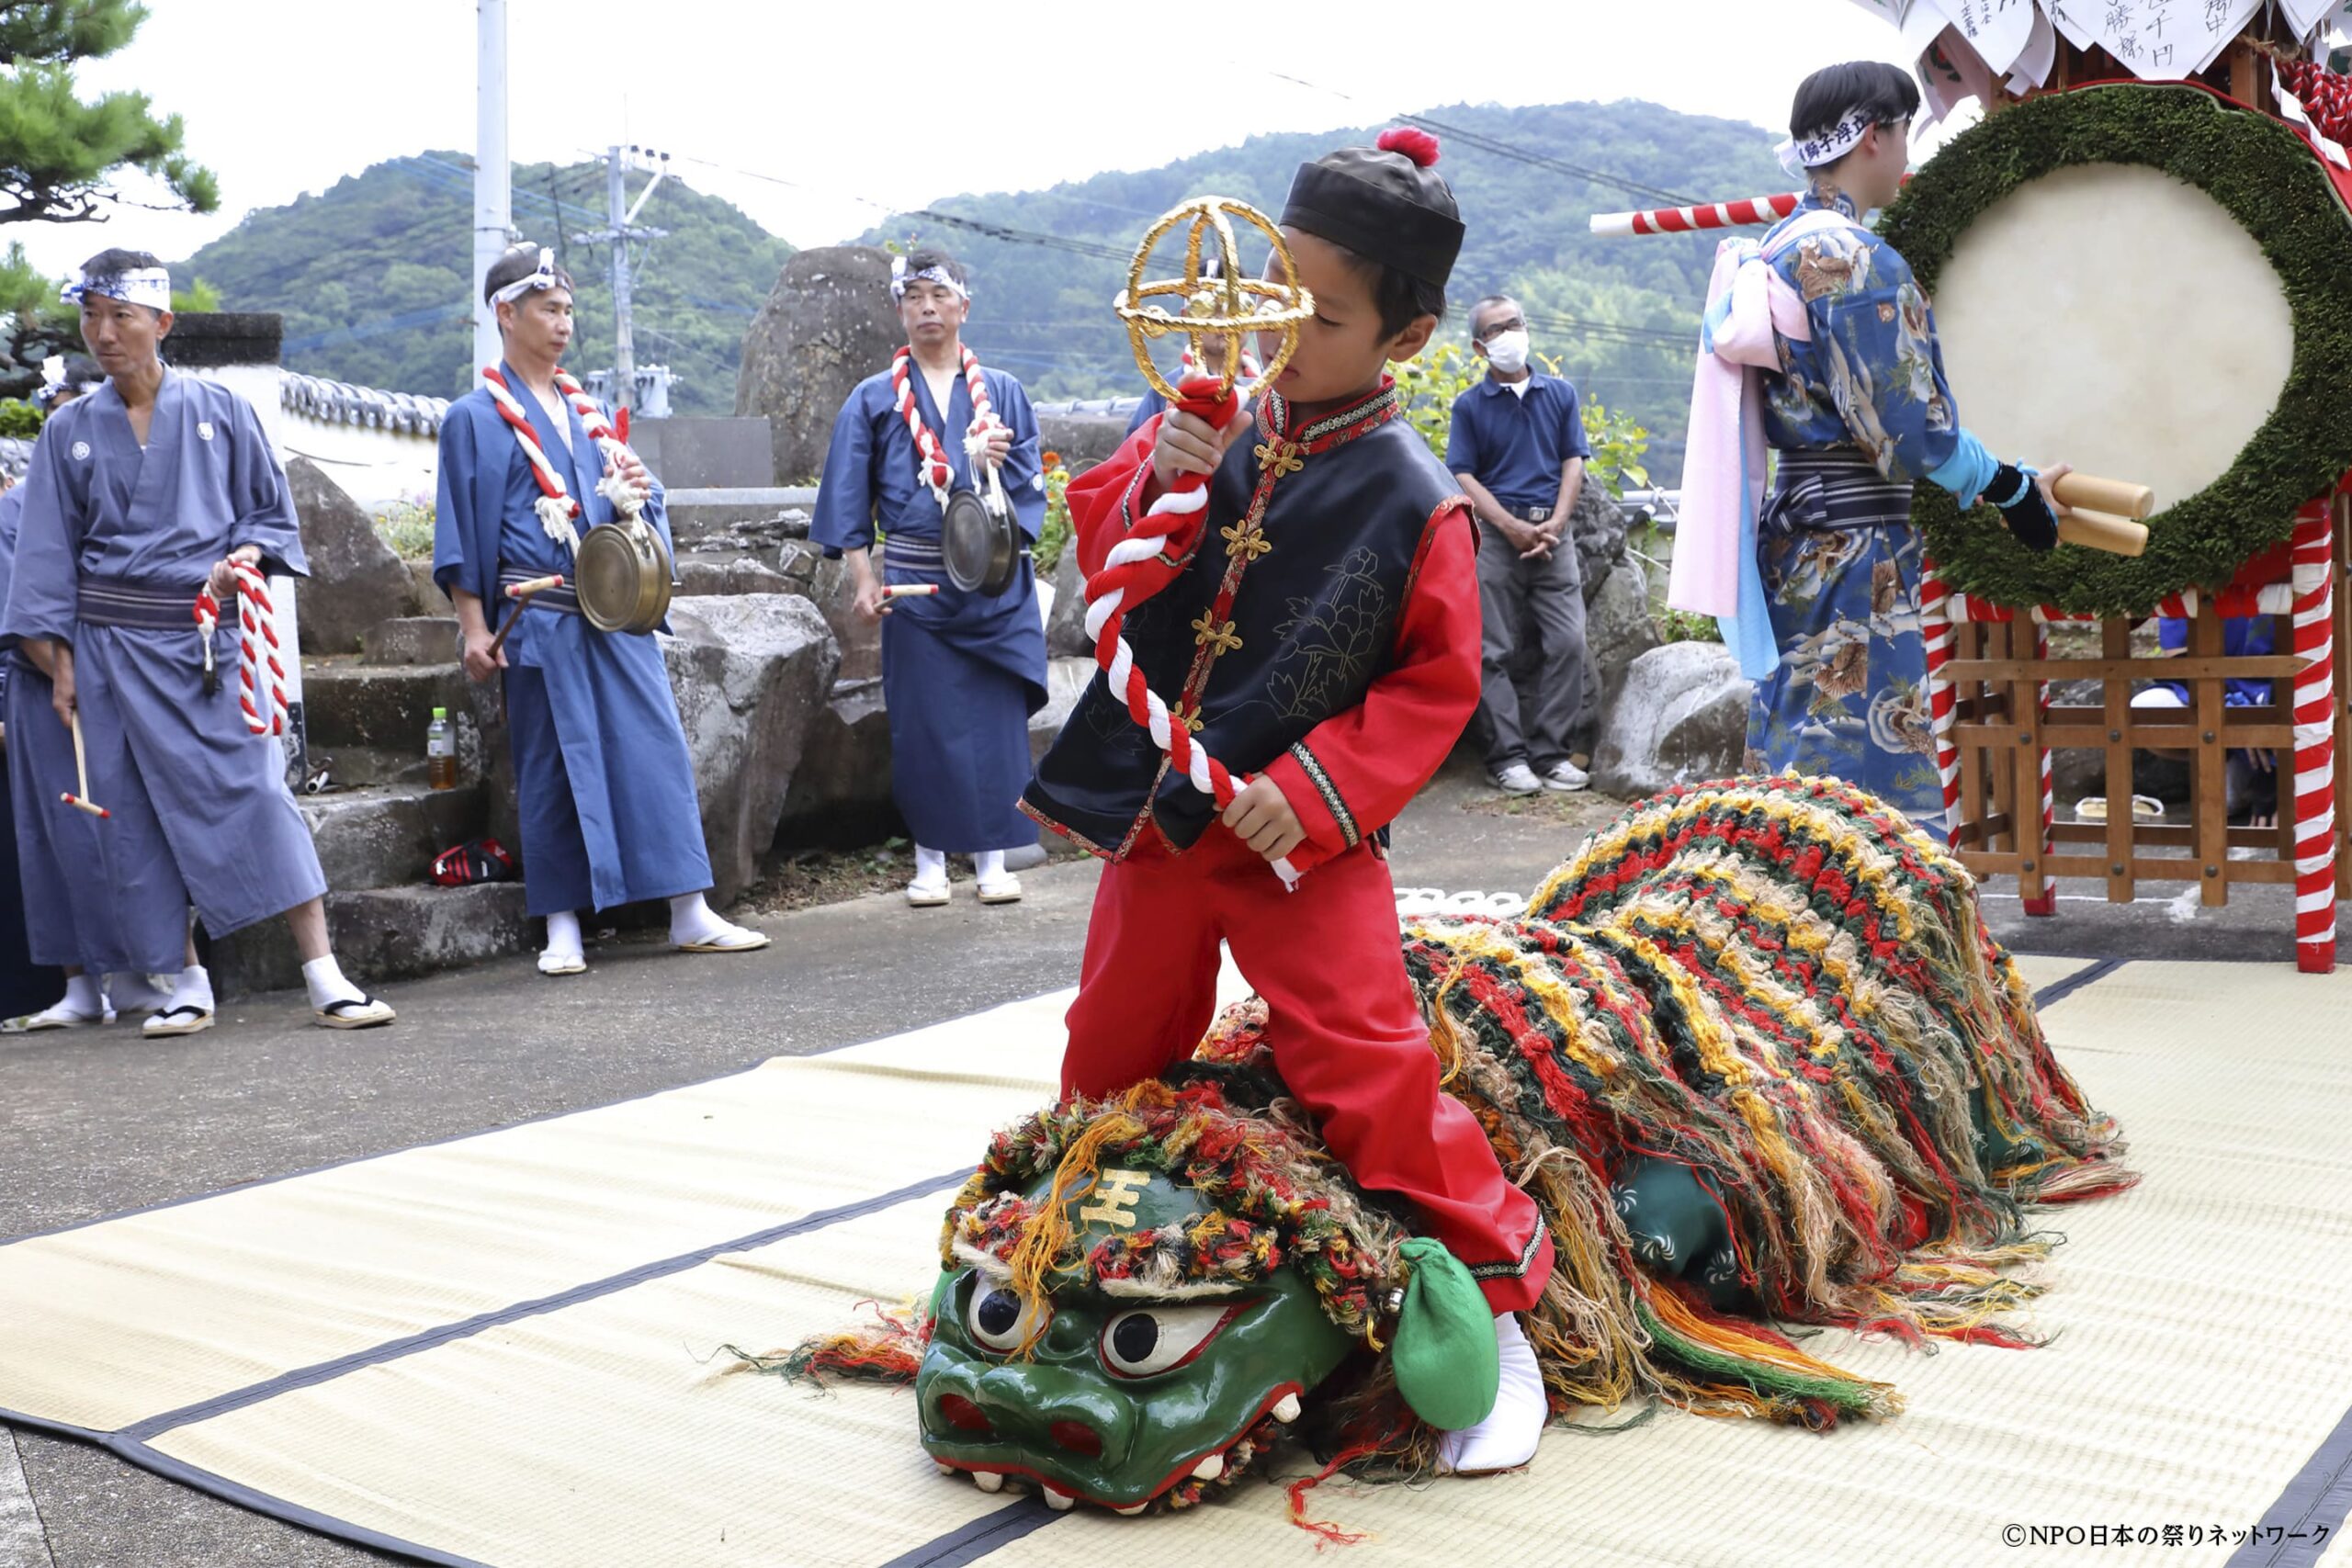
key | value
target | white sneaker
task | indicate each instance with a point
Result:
(1565, 776)
(1506, 1438)
(1516, 779)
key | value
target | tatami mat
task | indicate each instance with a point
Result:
(2202, 1353)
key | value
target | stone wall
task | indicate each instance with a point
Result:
(827, 325)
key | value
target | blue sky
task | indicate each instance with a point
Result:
(863, 108)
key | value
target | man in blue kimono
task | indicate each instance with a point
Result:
(961, 671)
(1858, 414)
(604, 782)
(75, 913)
(141, 494)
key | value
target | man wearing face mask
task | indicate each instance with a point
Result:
(1518, 446)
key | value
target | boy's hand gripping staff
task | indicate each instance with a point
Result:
(1226, 308)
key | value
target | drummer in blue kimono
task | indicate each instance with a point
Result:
(1859, 411)
(605, 784)
(962, 671)
(141, 494)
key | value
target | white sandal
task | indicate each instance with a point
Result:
(57, 1015)
(1005, 889)
(554, 962)
(927, 894)
(730, 939)
(170, 1021)
(362, 1013)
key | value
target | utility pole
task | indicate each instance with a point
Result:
(623, 219)
(494, 174)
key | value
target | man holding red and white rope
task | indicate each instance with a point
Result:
(961, 671)
(150, 494)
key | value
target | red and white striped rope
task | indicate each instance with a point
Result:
(557, 506)
(1745, 213)
(257, 648)
(1935, 631)
(1140, 565)
(931, 458)
(2316, 702)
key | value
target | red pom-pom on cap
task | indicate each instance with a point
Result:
(1414, 143)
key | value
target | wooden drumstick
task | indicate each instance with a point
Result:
(81, 771)
(909, 590)
(2102, 531)
(521, 594)
(2114, 498)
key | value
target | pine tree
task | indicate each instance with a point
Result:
(58, 153)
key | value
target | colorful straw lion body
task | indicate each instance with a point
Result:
(1753, 1052)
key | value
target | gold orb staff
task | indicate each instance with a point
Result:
(1223, 307)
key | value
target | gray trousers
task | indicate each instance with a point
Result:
(1542, 601)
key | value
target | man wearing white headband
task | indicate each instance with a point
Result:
(605, 785)
(961, 671)
(153, 488)
(1828, 626)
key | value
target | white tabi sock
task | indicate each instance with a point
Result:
(931, 866)
(1507, 1438)
(324, 977)
(692, 920)
(82, 996)
(988, 864)
(563, 935)
(194, 987)
(128, 991)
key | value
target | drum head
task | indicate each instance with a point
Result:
(978, 544)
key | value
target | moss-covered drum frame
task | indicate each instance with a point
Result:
(2266, 177)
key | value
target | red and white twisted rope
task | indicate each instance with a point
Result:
(931, 458)
(557, 506)
(257, 648)
(1754, 211)
(1935, 631)
(2317, 702)
(1139, 566)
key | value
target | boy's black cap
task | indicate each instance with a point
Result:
(1387, 203)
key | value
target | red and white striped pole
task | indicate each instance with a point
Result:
(2315, 700)
(1936, 613)
(2048, 903)
(1748, 213)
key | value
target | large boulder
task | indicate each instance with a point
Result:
(826, 584)
(1085, 433)
(842, 791)
(751, 672)
(1681, 717)
(1066, 625)
(1065, 680)
(355, 580)
(827, 325)
(1618, 629)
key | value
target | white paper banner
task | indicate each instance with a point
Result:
(2075, 18)
(2040, 53)
(2305, 15)
(1997, 29)
(1893, 10)
(1950, 73)
(2164, 41)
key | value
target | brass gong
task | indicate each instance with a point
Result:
(623, 576)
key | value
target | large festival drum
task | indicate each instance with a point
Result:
(2145, 282)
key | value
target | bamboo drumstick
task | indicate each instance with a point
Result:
(2115, 498)
(2102, 531)
(521, 594)
(82, 776)
(911, 591)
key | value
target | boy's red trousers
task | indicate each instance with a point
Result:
(1348, 1037)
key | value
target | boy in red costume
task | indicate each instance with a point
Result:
(1330, 649)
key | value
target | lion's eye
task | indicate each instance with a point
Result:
(1001, 1320)
(1154, 1339)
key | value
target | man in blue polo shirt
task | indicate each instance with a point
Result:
(1519, 448)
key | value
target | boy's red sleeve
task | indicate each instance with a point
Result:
(1357, 769)
(1106, 501)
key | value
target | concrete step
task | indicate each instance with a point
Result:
(357, 766)
(410, 639)
(381, 934)
(352, 703)
(386, 835)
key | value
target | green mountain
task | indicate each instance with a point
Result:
(1620, 315)
(372, 275)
